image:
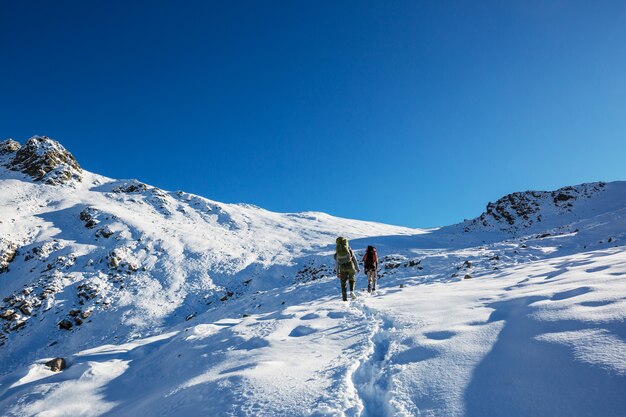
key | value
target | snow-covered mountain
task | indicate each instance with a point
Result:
(167, 303)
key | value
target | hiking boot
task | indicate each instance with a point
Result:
(352, 295)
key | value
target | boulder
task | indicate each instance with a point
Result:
(8, 314)
(56, 364)
(65, 324)
(26, 309)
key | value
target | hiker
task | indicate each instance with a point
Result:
(346, 266)
(370, 264)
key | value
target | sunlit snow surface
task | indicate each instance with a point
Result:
(537, 329)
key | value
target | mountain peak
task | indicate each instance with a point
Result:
(43, 159)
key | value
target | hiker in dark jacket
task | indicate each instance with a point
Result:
(346, 266)
(370, 265)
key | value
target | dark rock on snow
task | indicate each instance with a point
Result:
(56, 364)
(65, 324)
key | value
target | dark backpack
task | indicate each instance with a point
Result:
(370, 258)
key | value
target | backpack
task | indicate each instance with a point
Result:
(371, 258)
(343, 254)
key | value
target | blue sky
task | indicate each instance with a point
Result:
(414, 113)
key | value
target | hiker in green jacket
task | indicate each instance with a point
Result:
(346, 266)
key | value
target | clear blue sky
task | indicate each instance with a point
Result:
(415, 113)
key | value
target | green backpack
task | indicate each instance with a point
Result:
(344, 257)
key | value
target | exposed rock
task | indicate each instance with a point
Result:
(392, 265)
(46, 160)
(65, 324)
(18, 325)
(56, 364)
(227, 296)
(87, 291)
(8, 251)
(26, 309)
(132, 186)
(562, 197)
(8, 314)
(105, 232)
(524, 209)
(310, 272)
(413, 262)
(467, 276)
(9, 146)
(88, 217)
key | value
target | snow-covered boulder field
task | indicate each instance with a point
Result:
(160, 303)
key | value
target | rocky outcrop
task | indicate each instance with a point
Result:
(132, 186)
(8, 251)
(56, 364)
(45, 160)
(88, 216)
(9, 146)
(523, 209)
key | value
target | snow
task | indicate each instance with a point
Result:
(202, 308)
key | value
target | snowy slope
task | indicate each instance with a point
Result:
(90, 244)
(199, 308)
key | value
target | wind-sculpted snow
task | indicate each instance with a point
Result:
(169, 304)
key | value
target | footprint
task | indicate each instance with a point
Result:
(302, 331)
(337, 314)
(310, 316)
(442, 335)
(416, 354)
